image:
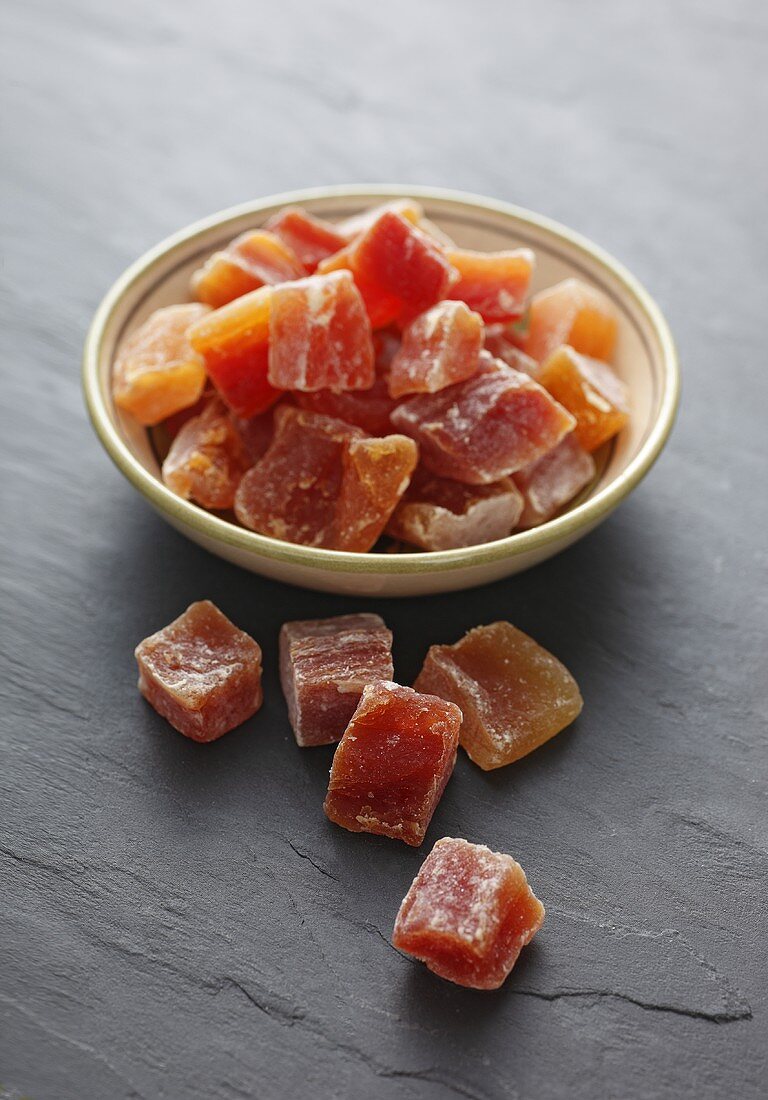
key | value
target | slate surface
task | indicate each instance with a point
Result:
(181, 922)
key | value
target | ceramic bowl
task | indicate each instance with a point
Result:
(645, 359)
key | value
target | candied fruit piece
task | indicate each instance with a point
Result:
(468, 914)
(353, 227)
(367, 409)
(320, 335)
(157, 371)
(256, 433)
(234, 342)
(311, 239)
(256, 258)
(439, 348)
(438, 514)
(324, 666)
(495, 284)
(172, 425)
(324, 483)
(571, 312)
(501, 345)
(514, 695)
(483, 429)
(553, 480)
(393, 763)
(201, 673)
(207, 459)
(590, 390)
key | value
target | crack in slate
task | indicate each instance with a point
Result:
(305, 855)
(726, 1017)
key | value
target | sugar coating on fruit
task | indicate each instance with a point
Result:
(484, 429)
(513, 693)
(324, 666)
(311, 239)
(254, 259)
(201, 673)
(393, 763)
(207, 459)
(571, 312)
(468, 914)
(377, 473)
(439, 514)
(549, 483)
(495, 284)
(157, 371)
(439, 348)
(320, 335)
(591, 391)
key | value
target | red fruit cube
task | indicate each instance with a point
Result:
(254, 259)
(367, 409)
(493, 283)
(393, 763)
(311, 239)
(201, 673)
(468, 914)
(553, 480)
(358, 224)
(439, 348)
(207, 459)
(572, 312)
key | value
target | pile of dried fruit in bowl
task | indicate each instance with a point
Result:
(337, 382)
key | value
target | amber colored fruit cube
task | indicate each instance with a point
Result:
(571, 312)
(514, 695)
(201, 673)
(367, 409)
(393, 763)
(157, 371)
(441, 347)
(324, 666)
(484, 429)
(376, 474)
(234, 342)
(311, 239)
(439, 514)
(468, 914)
(495, 284)
(254, 259)
(590, 390)
(549, 483)
(320, 335)
(207, 459)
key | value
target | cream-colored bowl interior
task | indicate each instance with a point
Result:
(645, 360)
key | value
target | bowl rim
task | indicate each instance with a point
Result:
(584, 515)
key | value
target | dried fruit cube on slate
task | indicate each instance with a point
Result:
(234, 342)
(320, 335)
(438, 514)
(207, 459)
(484, 429)
(201, 673)
(439, 348)
(571, 312)
(311, 239)
(590, 391)
(468, 914)
(324, 666)
(393, 763)
(324, 483)
(367, 409)
(495, 284)
(501, 345)
(513, 693)
(553, 480)
(256, 258)
(157, 371)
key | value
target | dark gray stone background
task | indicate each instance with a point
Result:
(181, 921)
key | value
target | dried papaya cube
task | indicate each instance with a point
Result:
(256, 433)
(254, 259)
(234, 342)
(501, 345)
(483, 429)
(382, 308)
(439, 514)
(376, 474)
(514, 695)
(172, 425)
(207, 459)
(324, 666)
(311, 239)
(495, 284)
(439, 348)
(358, 224)
(553, 480)
(320, 335)
(468, 914)
(590, 390)
(367, 409)
(392, 764)
(572, 312)
(201, 673)
(157, 371)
